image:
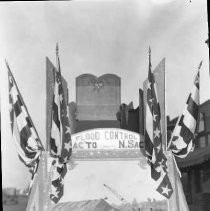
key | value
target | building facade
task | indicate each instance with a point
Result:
(97, 102)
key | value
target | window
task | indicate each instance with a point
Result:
(201, 124)
(186, 180)
(202, 141)
(206, 174)
(197, 180)
(208, 139)
(206, 177)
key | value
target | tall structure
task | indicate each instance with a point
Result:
(97, 102)
(97, 98)
(102, 127)
(98, 105)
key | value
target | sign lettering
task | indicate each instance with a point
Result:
(106, 143)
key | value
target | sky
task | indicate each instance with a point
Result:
(98, 37)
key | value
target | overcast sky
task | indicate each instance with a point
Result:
(98, 37)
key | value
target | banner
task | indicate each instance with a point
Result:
(104, 143)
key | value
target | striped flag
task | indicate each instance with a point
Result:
(60, 137)
(33, 170)
(153, 138)
(182, 139)
(28, 144)
(58, 173)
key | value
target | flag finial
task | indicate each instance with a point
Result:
(57, 50)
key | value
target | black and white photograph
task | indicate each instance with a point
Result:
(105, 105)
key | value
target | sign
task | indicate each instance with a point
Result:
(106, 143)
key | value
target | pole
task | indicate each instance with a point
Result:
(50, 82)
(141, 121)
(49, 99)
(165, 113)
(141, 112)
(207, 41)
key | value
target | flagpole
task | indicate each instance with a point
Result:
(165, 108)
(48, 168)
(47, 165)
(23, 102)
(48, 159)
(58, 67)
(57, 58)
(47, 162)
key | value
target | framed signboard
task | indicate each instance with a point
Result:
(106, 143)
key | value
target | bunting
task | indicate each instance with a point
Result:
(28, 144)
(182, 139)
(60, 140)
(153, 138)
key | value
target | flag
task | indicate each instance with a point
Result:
(153, 137)
(177, 201)
(182, 139)
(50, 75)
(57, 180)
(159, 75)
(165, 187)
(28, 144)
(60, 137)
(181, 197)
(33, 170)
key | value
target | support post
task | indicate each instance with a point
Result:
(141, 121)
(39, 199)
(44, 184)
(173, 203)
